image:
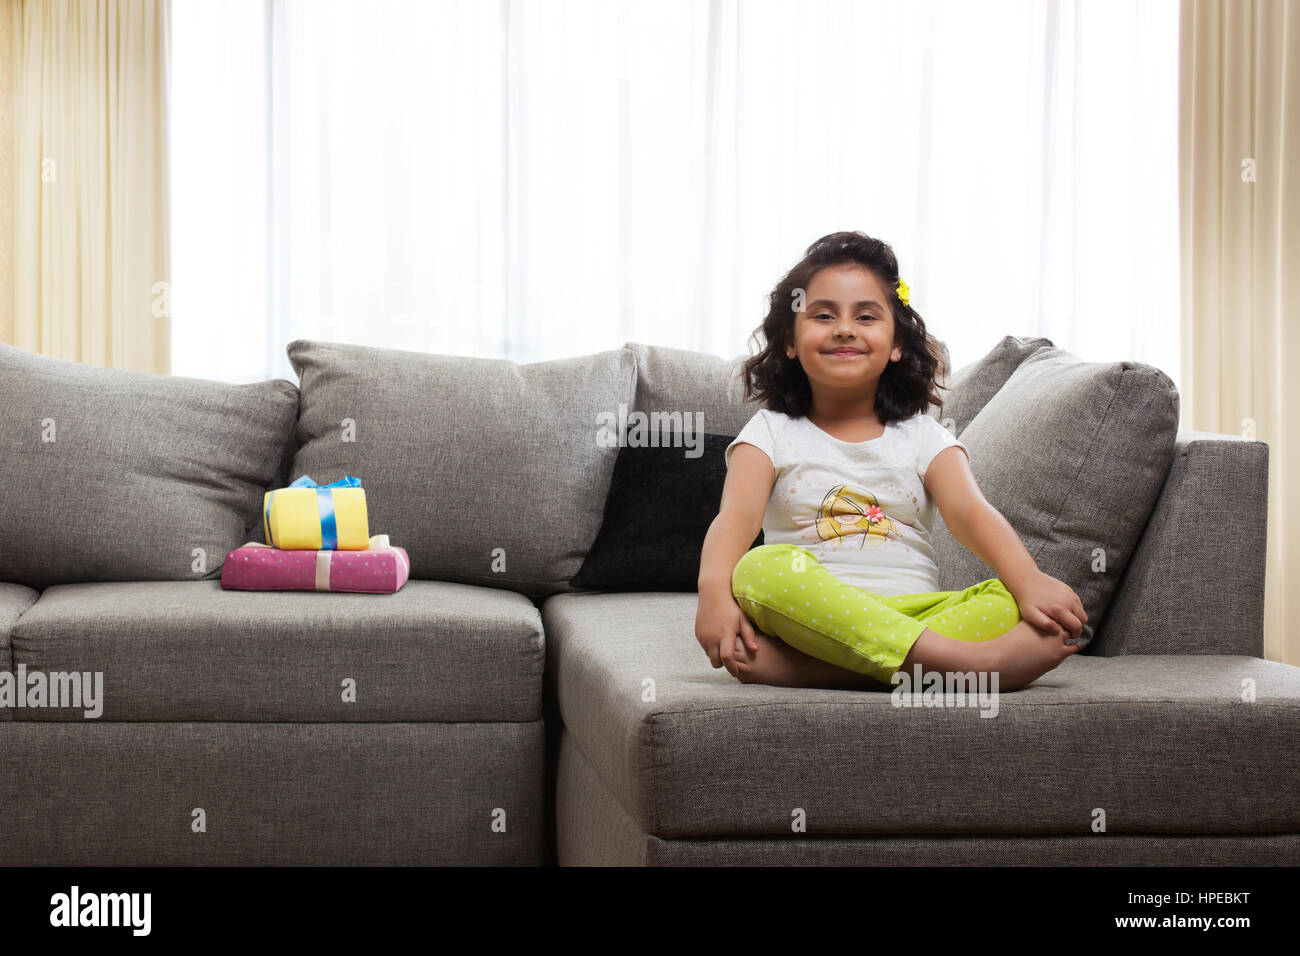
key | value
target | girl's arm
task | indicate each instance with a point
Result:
(1044, 601)
(745, 492)
(973, 521)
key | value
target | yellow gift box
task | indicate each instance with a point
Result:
(310, 517)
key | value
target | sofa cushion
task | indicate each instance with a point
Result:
(973, 385)
(1073, 454)
(593, 829)
(660, 505)
(193, 651)
(486, 471)
(690, 752)
(111, 475)
(691, 383)
(14, 600)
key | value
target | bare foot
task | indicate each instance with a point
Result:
(777, 663)
(1025, 653)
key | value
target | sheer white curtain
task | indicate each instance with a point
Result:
(533, 180)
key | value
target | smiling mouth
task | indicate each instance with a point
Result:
(845, 352)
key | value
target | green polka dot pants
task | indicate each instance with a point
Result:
(786, 592)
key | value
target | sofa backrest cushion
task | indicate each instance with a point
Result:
(486, 471)
(661, 502)
(1073, 454)
(974, 384)
(112, 475)
(688, 382)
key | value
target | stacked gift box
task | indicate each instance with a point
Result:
(317, 539)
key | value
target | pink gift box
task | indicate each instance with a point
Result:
(379, 569)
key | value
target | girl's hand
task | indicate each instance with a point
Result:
(718, 621)
(1046, 602)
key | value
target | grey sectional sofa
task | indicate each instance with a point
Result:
(491, 713)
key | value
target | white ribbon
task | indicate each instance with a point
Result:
(323, 570)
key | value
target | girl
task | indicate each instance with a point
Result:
(839, 469)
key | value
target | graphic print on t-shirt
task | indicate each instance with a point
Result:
(849, 510)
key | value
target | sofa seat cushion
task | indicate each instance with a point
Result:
(433, 651)
(1159, 744)
(14, 599)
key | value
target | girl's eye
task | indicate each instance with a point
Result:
(827, 315)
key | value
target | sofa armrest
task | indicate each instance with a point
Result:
(1195, 583)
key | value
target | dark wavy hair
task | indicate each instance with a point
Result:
(906, 387)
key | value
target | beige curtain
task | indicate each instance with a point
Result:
(90, 255)
(1239, 196)
(6, 173)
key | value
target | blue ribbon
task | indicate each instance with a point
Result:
(329, 532)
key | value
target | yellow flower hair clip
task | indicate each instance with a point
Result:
(903, 291)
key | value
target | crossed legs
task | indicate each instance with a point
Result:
(815, 631)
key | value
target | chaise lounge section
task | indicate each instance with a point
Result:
(1167, 741)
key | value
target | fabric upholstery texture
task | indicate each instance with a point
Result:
(974, 384)
(14, 600)
(486, 471)
(172, 650)
(688, 382)
(1222, 480)
(110, 475)
(594, 830)
(1167, 744)
(290, 794)
(660, 505)
(1073, 454)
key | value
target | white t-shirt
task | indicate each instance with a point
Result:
(860, 507)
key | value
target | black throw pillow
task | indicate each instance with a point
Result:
(658, 510)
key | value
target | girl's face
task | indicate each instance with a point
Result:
(844, 337)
